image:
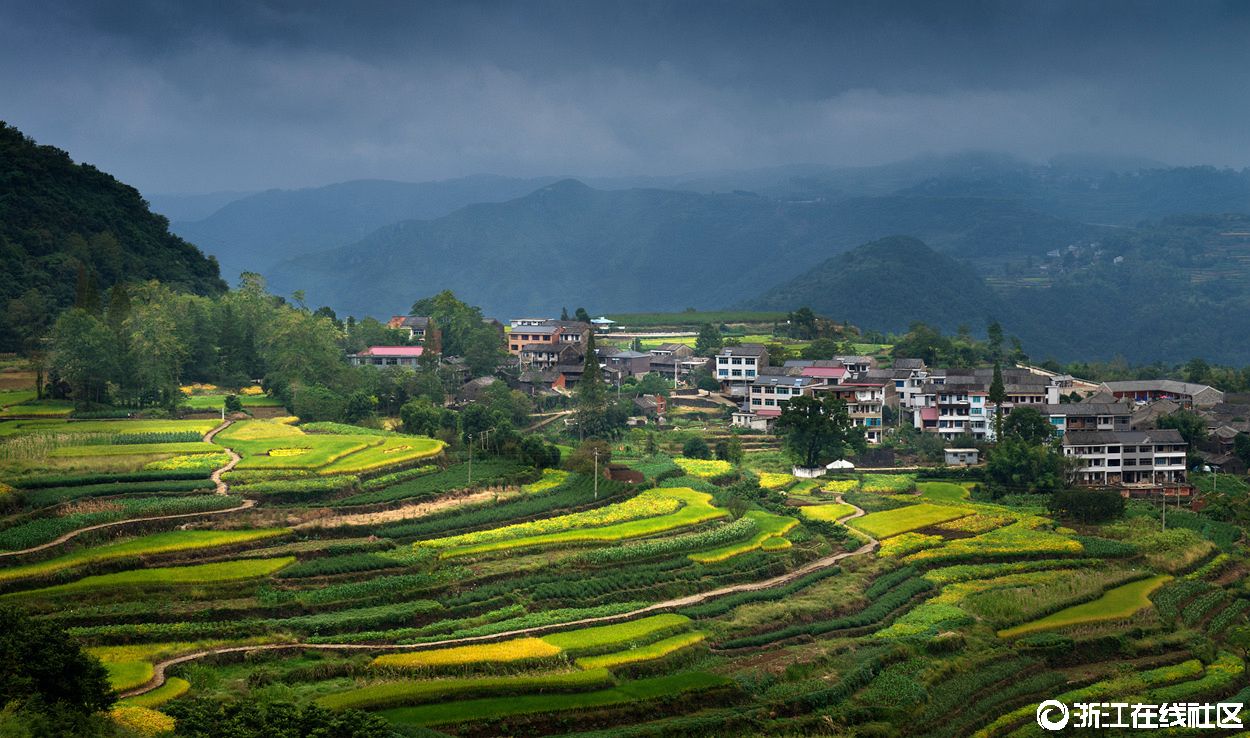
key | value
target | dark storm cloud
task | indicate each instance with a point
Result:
(246, 94)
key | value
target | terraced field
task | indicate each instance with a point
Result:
(369, 573)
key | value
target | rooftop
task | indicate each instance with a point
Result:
(393, 351)
(1104, 438)
(1158, 385)
(746, 349)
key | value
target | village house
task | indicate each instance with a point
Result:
(408, 356)
(416, 326)
(630, 363)
(1088, 416)
(955, 402)
(738, 366)
(532, 335)
(546, 355)
(1138, 461)
(865, 398)
(1187, 394)
(961, 456)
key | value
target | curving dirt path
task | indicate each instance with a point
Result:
(158, 672)
(221, 488)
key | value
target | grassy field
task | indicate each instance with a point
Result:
(900, 520)
(217, 402)
(830, 513)
(1114, 604)
(942, 491)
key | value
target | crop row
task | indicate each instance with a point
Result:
(667, 688)
(393, 694)
(722, 605)
(485, 473)
(875, 612)
(42, 530)
(344, 564)
(742, 528)
(655, 511)
(225, 571)
(45, 481)
(45, 497)
(767, 538)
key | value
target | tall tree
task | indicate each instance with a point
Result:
(40, 662)
(83, 355)
(709, 340)
(994, 339)
(592, 397)
(1029, 425)
(998, 396)
(582, 315)
(564, 313)
(818, 431)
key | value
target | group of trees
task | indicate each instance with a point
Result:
(138, 343)
(923, 341)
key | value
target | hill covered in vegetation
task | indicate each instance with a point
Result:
(638, 249)
(59, 218)
(887, 285)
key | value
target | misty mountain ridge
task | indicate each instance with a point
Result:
(640, 249)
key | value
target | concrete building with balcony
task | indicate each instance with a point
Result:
(1135, 460)
(1088, 416)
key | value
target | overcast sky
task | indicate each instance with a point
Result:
(250, 94)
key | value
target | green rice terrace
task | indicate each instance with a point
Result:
(361, 569)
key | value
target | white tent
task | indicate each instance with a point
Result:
(841, 464)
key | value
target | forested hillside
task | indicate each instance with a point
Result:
(887, 285)
(58, 219)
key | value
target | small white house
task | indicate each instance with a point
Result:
(962, 456)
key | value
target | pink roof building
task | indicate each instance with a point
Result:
(388, 356)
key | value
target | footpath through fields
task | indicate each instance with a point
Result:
(158, 674)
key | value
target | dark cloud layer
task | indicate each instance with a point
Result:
(244, 94)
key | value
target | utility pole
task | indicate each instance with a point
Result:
(470, 459)
(596, 474)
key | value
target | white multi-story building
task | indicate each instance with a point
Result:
(738, 366)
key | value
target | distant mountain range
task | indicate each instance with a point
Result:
(1008, 233)
(636, 250)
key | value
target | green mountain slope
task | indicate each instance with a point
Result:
(1165, 291)
(637, 250)
(56, 215)
(887, 285)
